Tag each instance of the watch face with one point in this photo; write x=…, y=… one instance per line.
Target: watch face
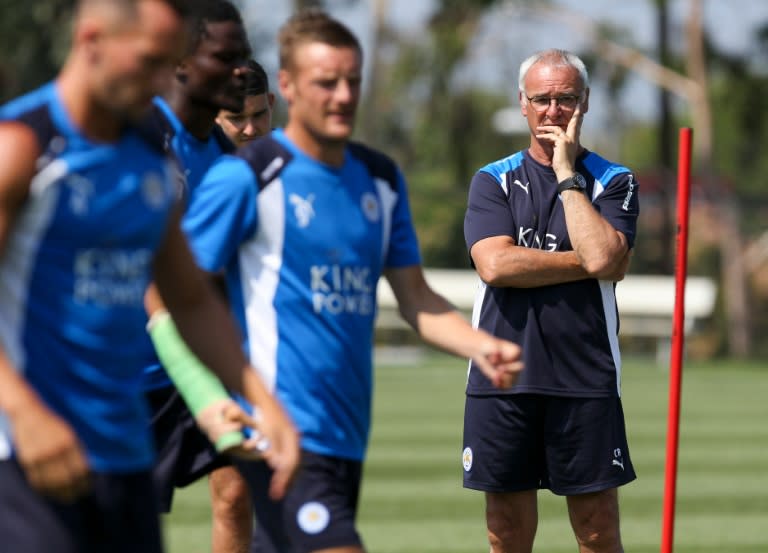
x=580, y=180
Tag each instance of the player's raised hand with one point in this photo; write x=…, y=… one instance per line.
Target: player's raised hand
x=500, y=361
x=566, y=143
x=49, y=453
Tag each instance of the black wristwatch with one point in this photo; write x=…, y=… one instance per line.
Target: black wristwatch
x=576, y=182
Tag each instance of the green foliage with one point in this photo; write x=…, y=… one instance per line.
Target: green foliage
x=33, y=39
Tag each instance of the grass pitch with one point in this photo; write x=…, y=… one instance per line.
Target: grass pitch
x=412, y=500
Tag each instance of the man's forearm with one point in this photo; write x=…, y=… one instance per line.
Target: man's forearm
x=521, y=267
x=597, y=244
x=208, y=330
x=15, y=393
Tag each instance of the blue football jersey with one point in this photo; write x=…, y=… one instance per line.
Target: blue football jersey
x=568, y=332
x=193, y=157
x=303, y=245
x=73, y=277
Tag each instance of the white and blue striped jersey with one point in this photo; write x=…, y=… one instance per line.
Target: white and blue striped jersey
x=194, y=158
x=303, y=245
x=568, y=332
x=73, y=277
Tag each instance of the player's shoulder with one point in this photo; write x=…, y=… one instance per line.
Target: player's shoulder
x=267, y=157
x=378, y=164
x=155, y=130
x=33, y=112
x=602, y=169
x=497, y=169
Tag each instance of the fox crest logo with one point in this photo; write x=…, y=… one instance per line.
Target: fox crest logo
x=313, y=517
x=302, y=208
x=467, y=458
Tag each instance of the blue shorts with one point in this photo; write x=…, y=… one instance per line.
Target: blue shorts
x=523, y=442
x=112, y=518
x=318, y=511
x=184, y=453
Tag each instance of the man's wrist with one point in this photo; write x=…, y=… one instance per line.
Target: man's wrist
x=574, y=182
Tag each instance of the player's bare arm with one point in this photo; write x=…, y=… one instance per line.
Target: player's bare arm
x=601, y=249
x=208, y=329
x=439, y=324
x=46, y=446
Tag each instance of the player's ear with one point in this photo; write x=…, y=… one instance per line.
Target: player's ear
x=585, y=101
x=286, y=85
x=523, y=103
x=181, y=72
x=87, y=35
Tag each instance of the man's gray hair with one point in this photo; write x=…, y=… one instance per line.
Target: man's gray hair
x=553, y=57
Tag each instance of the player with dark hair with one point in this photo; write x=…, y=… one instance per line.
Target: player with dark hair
x=87, y=217
x=550, y=231
x=304, y=222
x=255, y=119
x=210, y=77
x=231, y=510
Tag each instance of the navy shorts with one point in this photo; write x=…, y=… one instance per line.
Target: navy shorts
x=318, y=511
x=116, y=516
x=522, y=442
x=184, y=453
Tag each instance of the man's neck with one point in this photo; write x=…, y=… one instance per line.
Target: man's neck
x=541, y=152
x=90, y=117
x=197, y=119
x=325, y=151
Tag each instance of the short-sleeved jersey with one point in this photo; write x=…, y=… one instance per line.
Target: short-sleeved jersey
x=304, y=245
x=73, y=277
x=194, y=157
x=568, y=332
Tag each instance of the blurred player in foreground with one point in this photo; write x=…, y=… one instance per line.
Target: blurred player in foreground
x=88, y=215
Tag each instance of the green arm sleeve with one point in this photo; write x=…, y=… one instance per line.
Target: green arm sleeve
x=198, y=386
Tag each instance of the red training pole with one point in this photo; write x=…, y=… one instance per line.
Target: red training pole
x=678, y=338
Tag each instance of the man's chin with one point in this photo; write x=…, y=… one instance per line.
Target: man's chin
x=340, y=133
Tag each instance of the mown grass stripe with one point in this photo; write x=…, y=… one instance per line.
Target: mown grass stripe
x=412, y=500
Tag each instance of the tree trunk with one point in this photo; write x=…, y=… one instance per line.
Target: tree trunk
x=732, y=269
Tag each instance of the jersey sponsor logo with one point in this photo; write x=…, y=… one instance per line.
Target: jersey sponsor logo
x=302, y=209
x=630, y=193
x=521, y=185
x=528, y=238
x=370, y=205
x=313, y=517
x=111, y=277
x=340, y=289
x=466, y=458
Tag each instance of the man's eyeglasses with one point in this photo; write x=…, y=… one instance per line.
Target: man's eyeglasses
x=542, y=103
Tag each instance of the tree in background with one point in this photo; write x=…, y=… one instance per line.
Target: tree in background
x=33, y=40
x=438, y=126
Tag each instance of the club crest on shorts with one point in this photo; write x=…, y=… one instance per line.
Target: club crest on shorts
x=466, y=458
x=370, y=206
x=313, y=517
